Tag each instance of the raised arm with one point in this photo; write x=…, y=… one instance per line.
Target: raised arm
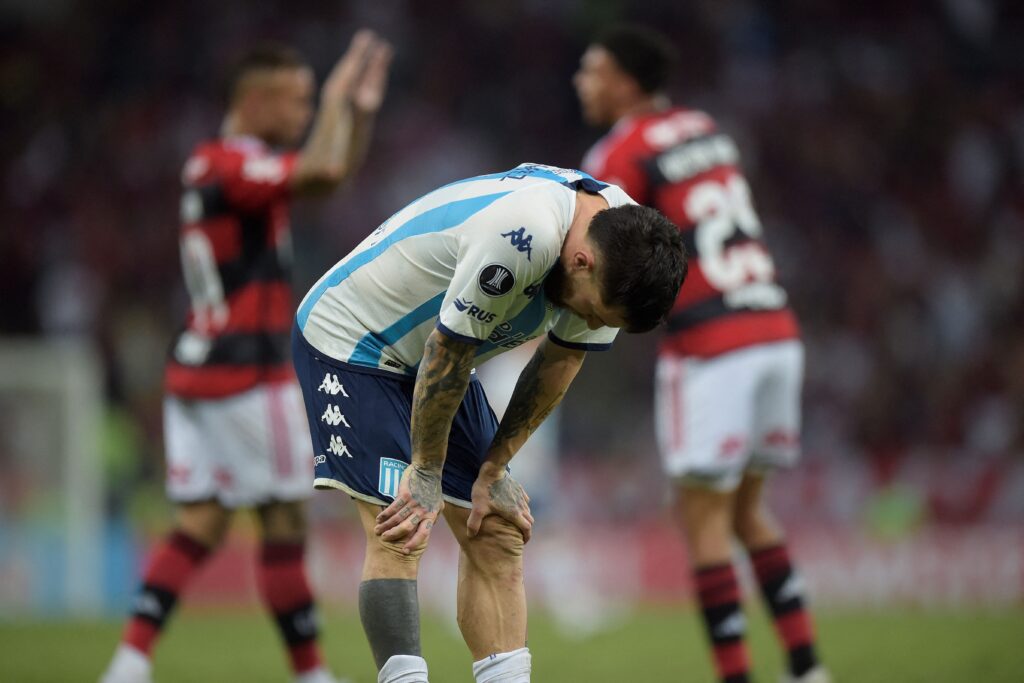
x=440, y=386
x=349, y=101
x=541, y=386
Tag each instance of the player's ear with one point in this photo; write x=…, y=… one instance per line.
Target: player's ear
x=582, y=260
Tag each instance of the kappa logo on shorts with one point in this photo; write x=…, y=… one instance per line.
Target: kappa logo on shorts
x=496, y=280
x=338, y=447
x=333, y=416
x=390, y=476
x=332, y=386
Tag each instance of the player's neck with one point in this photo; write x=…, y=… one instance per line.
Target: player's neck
x=235, y=126
x=642, y=106
x=587, y=205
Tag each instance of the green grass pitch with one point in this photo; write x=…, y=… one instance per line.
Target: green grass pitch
x=658, y=644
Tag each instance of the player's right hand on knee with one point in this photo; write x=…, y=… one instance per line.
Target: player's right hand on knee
x=414, y=510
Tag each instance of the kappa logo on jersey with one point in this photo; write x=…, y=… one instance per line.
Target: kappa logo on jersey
x=521, y=241
x=338, y=446
x=496, y=280
x=333, y=416
x=332, y=386
x=390, y=476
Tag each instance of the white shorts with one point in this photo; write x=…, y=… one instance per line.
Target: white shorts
x=719, y=417
x=244, y=450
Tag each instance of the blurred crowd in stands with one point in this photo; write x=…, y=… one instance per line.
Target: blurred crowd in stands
x=884, y=143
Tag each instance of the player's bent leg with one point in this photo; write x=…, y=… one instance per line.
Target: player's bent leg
x=285, y=590
x=199, y=529
x=705, y=515
x=389, y=604
x=492, y=597
x=781, y=587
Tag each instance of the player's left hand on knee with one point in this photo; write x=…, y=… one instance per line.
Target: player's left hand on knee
x=413, y=512
x=502, y=496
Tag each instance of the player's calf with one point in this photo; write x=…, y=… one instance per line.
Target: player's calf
x=389, y=606
x=171, y=566
x=492, y=598
x=783, y=592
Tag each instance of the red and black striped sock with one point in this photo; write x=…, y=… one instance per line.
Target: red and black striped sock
x=719, y=595
x=171, y=566
x=784, y=592
x=282, y=582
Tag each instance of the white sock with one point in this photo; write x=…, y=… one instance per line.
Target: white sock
x=504, y=667
x=403, y=669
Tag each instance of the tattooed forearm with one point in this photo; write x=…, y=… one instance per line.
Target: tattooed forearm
x=540, y=389
x=440, y=385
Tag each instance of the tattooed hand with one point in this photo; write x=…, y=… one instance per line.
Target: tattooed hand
x=499, y=494
x=414, y=510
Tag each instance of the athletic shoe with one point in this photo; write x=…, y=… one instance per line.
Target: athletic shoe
x=128, y=666
x=816, y=675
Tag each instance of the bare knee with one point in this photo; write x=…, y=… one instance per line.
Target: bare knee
x=388, y=559
x=755, y=527
x=705, y=516
x=206, y=522
x=497, y=550
x=283, y=521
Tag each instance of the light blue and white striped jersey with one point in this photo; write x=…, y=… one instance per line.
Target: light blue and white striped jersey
x=470, y=259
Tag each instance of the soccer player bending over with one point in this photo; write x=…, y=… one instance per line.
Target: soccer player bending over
x=385, y=345
x=730, y=368
x=233, y=419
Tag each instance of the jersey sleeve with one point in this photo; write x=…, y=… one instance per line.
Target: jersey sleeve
x=571, y=331
x=253, y=180
x=504, y=254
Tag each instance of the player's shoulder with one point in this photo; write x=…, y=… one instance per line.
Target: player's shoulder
x=224, y=158
x=671, y=127
x=533, y=215
x=622, y=140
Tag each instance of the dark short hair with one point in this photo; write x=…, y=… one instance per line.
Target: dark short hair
x=643, y=263
x=645, y=54
x=262, y=57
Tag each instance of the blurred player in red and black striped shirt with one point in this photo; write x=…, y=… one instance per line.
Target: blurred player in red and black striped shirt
x=730, y=367
x=234, y=423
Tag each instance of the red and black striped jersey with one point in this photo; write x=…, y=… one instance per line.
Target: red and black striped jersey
x=236, y=260
x=679, y=162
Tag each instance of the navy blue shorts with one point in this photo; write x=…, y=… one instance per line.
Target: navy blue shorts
x=359, y=420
